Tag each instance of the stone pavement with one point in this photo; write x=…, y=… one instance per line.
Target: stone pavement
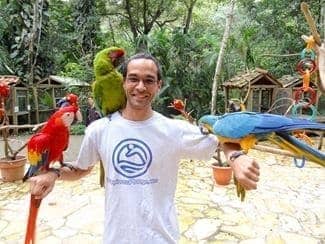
x=287, y=207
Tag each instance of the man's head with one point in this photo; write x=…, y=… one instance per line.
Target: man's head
x=142, y=81
x=142, y=56
x=90, y=101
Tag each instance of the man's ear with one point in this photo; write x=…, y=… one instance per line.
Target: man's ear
x=123, y=84
x=160, y=82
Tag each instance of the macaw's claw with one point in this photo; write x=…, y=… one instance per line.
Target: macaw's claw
x=240, y=190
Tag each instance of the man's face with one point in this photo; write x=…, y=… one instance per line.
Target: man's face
x=141, y=83
x=90, y=101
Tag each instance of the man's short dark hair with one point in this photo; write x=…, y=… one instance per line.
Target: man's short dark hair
x=141, y=56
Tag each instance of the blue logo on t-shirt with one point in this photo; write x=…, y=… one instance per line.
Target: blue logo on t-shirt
x=131, y=158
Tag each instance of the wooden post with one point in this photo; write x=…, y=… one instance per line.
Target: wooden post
x=35, y=96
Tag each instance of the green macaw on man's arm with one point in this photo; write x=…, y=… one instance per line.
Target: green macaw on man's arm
x=108, y=92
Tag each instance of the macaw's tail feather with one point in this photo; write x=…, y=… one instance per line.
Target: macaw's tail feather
x=298, y=147
x=28, y=174
x=31, y=224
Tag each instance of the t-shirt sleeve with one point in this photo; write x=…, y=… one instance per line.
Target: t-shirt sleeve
x=88, y=153
x=195, y=144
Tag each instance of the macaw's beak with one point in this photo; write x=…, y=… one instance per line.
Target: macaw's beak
x=78, y=116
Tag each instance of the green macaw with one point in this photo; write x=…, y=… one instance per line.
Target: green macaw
x=108, y=89
x=108, y=92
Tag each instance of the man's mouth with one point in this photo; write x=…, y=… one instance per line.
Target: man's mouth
x=140, y=97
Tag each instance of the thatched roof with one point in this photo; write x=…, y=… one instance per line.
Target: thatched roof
x=68, y=81
x=255, y=76
x=290, y=80
x=54, y=80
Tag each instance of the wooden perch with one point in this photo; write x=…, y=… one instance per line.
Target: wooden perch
x=34, y=127
x=274, y=150
x=280, y=55
x=312, y=26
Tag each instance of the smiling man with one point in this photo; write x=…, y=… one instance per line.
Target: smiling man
x=140, y=150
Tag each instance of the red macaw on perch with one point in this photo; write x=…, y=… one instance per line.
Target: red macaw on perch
x=4, y=94
x=45, y=148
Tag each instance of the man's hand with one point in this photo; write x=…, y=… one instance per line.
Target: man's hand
x=41, y=185
x=246, y=171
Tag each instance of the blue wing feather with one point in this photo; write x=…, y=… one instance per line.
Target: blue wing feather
x=240, y=124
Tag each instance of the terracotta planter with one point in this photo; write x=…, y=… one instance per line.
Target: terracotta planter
x=12, y=170
x=222, y=174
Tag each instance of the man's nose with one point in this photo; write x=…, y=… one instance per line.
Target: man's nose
x=141, y=86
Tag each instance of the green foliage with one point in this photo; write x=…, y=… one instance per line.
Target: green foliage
x=67, y=34
x=188, y=65
x=23, y=29
x=77, y=71
x=278, y=26
x=45, y=100
x=77, y=129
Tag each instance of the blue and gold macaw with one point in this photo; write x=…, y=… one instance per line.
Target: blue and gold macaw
x=247, y=128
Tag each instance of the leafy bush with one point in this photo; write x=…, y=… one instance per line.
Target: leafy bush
x=77, y=129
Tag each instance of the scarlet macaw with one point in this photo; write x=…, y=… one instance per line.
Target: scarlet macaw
x=69, y=100
x=4, y=94
x=45, y=148
x=108, y=92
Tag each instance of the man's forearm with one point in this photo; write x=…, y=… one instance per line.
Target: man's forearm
x=228, y=149
x=72, y=174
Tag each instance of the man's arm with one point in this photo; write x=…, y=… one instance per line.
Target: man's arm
x=245, y=168
x=42, y=185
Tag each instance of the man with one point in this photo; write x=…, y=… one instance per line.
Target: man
x=140, y=150
x=91, y=113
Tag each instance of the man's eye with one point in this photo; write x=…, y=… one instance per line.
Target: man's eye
x=149, y=81
x=133, y=80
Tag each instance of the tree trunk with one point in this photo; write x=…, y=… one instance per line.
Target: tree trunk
x=132, y=23
x=35, y=97
x=220, y=57
x=35, y=37
x=189, y=16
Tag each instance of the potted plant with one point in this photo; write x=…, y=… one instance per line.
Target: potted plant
x=222, y=172
x=12, y=165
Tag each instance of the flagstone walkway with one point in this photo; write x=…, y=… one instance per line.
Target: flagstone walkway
x=288, y=206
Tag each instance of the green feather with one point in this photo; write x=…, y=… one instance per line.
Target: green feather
x=108, y=92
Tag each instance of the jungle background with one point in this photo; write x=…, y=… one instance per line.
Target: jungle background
x=39, y=38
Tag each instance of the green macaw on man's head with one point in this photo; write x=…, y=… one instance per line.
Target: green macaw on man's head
x=108, y=92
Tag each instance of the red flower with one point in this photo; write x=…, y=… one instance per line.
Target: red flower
x=178, y=104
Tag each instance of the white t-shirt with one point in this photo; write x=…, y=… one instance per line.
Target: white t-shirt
x=141, y=160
